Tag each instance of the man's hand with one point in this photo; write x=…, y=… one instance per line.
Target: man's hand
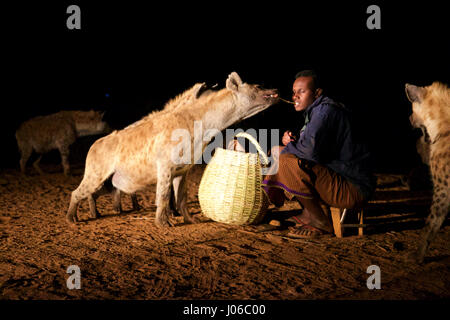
x=287, y=137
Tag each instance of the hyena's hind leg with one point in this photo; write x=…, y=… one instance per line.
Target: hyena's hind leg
x=180, y=198
x=93, y=212
x=36, y=165
x=134, y=200
x=25, y=154
x=173, y=201
x=117, y=201
x=116, y=194
x=64, y=151
x=115, y=183
x=105, y=189
x=88, y=186
x=440, y=207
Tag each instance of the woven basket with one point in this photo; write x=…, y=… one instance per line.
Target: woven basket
x=230, y=189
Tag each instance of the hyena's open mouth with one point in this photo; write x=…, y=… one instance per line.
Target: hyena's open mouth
x=273, y=95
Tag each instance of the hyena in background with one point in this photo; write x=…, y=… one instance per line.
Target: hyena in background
x=57, y=131
x=431, y=109
x=142, y=153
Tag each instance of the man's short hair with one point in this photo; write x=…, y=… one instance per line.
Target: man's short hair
x=312, y=74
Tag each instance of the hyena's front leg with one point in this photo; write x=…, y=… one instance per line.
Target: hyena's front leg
x=163, y=184
x=89, y=185
x=93, y=207
x=117, y=203
x=173, y=201
x=64, y=151
x=439, y=210
x=71, y=215
x=180, y=191
x=36, y=165
x=134, y=200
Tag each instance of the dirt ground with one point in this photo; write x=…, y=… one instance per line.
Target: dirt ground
x=127, y=257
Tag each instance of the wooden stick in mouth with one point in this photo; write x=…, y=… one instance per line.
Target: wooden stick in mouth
x=286, y=100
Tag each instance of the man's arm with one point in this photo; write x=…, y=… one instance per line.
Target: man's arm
x=314, y=142
x=287, y=137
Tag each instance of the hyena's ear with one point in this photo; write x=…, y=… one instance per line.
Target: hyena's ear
x=199, y=88
x=414, y=93
x=233, y=82
x=102, y=114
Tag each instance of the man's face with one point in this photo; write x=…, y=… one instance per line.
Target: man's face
x=304, y=93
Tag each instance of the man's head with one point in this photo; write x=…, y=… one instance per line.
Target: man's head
x=306, y=89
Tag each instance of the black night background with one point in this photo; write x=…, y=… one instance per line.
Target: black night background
x=129, y=58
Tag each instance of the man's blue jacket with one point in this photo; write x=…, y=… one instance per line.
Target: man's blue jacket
x=327, y=138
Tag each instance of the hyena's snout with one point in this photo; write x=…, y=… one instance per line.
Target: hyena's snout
x=103, y=127
x=415, y=121
x=100, y=127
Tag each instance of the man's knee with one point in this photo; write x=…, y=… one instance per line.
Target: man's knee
x=274, y=152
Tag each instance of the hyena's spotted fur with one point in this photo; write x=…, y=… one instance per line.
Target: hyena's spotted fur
x=142, y=153
x=56, y=131
x=431, y=110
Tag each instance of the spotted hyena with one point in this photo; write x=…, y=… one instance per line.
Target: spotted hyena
x=56, y=131
x=142, y=153
x=431, y=110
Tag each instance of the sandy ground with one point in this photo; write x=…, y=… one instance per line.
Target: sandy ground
x=127, y=257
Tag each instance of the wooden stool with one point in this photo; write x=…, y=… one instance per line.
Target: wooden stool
x=338, y=215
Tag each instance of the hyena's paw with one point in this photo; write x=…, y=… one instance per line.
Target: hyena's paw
x=118, y=208
x=136, y=206
x=94, y=214
x=135, y=201
x=71, y=218
x=174, y=213
x=163, y=222
x=190, y=219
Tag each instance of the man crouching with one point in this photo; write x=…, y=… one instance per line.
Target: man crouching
x=322, y=165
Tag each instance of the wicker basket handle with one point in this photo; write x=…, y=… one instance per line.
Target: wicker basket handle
x=256, y=144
